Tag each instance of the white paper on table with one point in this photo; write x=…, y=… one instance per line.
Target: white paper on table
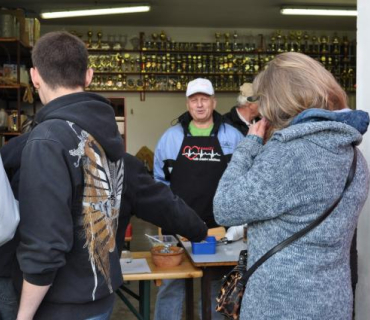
x=136, y=266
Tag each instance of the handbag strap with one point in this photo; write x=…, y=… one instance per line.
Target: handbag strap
x=301, y=233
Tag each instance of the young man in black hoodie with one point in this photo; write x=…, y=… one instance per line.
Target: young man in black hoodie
x=72, y=179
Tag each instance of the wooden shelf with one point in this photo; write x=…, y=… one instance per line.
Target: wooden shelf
x=14, y=86
x=11, y=46
x=10, y=133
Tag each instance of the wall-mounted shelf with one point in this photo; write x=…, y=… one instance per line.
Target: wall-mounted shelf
x=160, y=66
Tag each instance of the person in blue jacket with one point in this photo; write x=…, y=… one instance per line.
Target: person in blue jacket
x=191, y=157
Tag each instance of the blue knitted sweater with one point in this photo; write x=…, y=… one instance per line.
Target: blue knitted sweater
x=279, y=188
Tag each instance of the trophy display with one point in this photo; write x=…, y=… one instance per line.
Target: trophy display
x=158, y=63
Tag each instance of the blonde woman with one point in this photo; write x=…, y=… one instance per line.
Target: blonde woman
x=280, y=187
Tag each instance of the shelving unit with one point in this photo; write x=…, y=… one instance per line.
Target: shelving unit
x=163, y=66
x=13, y=52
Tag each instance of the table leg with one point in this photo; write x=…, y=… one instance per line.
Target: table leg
x=189, y=299
x=206, y=294
x=144, y=302
x=210, y=274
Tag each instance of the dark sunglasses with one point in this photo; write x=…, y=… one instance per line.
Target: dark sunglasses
x=253, y=98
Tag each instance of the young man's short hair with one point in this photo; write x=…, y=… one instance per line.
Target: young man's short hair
x=61, y=59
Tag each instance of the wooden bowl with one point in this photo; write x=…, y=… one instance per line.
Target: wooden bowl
x=167, y=260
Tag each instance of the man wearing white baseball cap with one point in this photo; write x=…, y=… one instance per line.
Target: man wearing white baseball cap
x=191, y=157
x=245, y=112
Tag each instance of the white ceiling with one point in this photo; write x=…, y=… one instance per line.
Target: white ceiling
x=197, y=13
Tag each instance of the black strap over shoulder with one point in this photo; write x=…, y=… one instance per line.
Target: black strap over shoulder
x=301, y=233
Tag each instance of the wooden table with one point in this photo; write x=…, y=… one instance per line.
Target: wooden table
x=214, y=267
x=185, y=270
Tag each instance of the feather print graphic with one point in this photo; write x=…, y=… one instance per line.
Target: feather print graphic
x=101, y=203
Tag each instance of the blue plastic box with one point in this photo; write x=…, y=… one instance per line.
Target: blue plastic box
x=208, y=247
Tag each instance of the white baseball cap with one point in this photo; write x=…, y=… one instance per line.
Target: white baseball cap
x=200, y=85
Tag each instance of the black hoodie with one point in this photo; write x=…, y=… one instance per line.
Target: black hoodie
x=233, y=119
x=54, y=248
x=50, y=252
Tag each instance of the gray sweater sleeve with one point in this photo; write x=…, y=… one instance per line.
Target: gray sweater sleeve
x=254, y=186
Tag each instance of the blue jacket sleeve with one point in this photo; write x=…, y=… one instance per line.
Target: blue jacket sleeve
x=167, y=148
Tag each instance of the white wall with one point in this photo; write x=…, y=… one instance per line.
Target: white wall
x=363, y=81
x=147, y=120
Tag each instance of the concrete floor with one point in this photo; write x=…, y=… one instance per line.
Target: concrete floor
x=141, y=243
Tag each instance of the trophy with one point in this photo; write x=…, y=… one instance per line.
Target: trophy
x=126, y=60
x=324, y=42
x=351, y=80
x=279, y=38
x=118, y=64
x=139, y=84
x=135, y=42
x=89, y=39
x=111, y=41
x=306, y=38
x=131, y=84
x=199, y=64
x=299, y=41
x=147, y=45
x=204, y=64
x=109, y=83
x=272, y=45
x=99, y=35
x=155, y=44
x=163, y=44
x=183, y=63
x=336, y=44
x=119, y=82
x=235, y=44
x=292, y=41
x=211, y=66
x=122, y=41
x=314, y=44
x=345, y=49
x=227, y=43
x=217, y=36
x=154, y=62
x=152, y=82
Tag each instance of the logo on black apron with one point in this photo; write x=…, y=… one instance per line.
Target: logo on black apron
x=195, y=153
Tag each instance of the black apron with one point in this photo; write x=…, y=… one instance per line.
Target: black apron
x=196, y=172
